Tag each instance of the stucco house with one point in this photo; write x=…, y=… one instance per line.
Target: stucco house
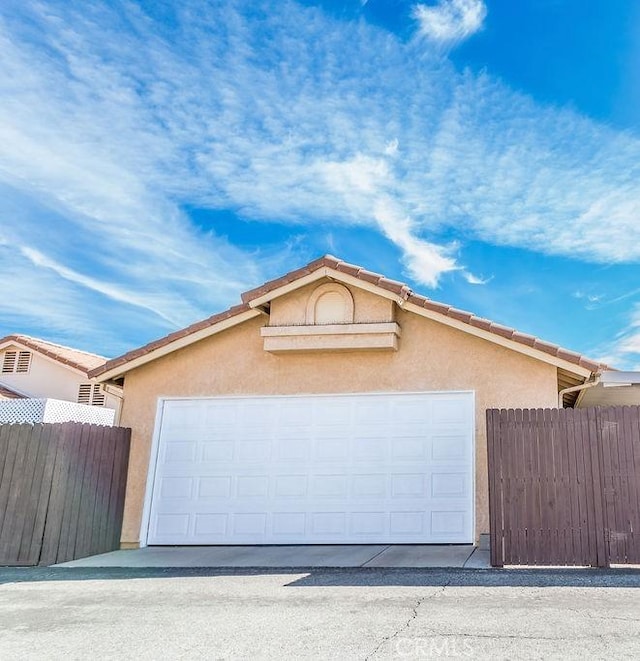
x=31, y=368
x=331, y=406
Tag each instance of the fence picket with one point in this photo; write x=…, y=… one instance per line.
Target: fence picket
x=564, y=486
x=48, y=489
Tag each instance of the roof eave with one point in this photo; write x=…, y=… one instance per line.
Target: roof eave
x=349, y=274
x=120, y=366
x=22, y=342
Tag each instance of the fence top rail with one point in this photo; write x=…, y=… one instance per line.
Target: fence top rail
x=625, y=407
x=58, y=425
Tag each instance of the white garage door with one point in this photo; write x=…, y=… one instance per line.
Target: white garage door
x=387, y=468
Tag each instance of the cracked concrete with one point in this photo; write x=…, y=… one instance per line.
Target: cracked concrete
x=318, y=614
x=407, y=624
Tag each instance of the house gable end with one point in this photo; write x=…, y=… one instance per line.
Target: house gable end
x=272, y=299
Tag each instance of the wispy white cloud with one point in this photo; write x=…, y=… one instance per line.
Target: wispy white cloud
x=624, y=351
x=113, y=292
x=476, y=280
x=425, y=261
x=449, y=21
x=591, y=301
x=111, y=123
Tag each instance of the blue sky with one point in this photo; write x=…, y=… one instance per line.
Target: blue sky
x=159, y=157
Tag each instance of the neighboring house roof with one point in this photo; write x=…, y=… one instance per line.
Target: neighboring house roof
x=9, y=393
x=329, y=266
x=79, y=360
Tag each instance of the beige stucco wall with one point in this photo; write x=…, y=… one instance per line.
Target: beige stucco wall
x=367, y=307
x=432, y=357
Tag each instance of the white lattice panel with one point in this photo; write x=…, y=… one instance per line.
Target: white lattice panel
x=53, y=410
x=21, y=410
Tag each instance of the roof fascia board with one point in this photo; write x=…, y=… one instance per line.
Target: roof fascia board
x=289, y=287
x=345, y=278
x=324, y=272
x=177, y=344
x=501, y=341
x=51, y=359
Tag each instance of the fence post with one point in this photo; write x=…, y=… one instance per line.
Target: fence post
x=594, y=439
x=496, y=523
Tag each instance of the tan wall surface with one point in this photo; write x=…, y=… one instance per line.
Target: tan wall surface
x=367, y=307
x=432, y=357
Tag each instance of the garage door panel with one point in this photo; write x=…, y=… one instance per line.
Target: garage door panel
x=448, y=523
x=211, y=525
x=326, y=469
x=216, y=451
x=331, y=449
x=450, y=485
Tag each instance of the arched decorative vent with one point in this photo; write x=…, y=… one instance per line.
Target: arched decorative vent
x=330, y=303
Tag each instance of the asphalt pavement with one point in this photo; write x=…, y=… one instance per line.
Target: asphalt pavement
x=319, y=613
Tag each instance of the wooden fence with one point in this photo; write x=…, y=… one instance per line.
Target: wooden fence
x=564, y=486
x=61, y=491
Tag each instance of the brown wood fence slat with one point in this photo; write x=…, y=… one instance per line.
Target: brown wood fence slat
x=632, y=458
x=42, y=506
x=88, y=495
x=19, y=477
x=116, y=505
x=7, y=473
x=494, y=456
x=22, y=483
x=105, y=474
x=29, y=552
x=61, y=491
x=564, y=486
x=55, y=508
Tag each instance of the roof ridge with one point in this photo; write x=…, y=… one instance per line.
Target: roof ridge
x=401, y=289
x=53, y=344
x=83, y=361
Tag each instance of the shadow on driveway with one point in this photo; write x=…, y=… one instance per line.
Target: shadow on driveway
x=352, y=577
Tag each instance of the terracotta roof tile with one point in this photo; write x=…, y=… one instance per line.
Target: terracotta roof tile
x=394, y=286
x=80, y=360
x=369, y=276
x=172, y=337
x=565, y=354
x=548, y=347
x=350, y=269
x=460, y=315
x=436, y=307
x=355, y=271
x=503, y=331
x=523, y=338
x=479, y=322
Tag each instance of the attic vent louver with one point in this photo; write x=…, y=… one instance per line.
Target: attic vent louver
x=24, y=362
x=98, y=397
x=9, y=362
x=16, y=361
x=91, y=394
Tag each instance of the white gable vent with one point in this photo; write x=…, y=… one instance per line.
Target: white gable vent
x=24, y=361
x=91, y=393
x=16, y=361
x=9, y=362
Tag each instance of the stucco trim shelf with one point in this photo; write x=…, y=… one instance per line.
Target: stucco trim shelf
x=332, y=337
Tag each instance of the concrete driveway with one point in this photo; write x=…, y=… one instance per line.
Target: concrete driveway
x=124, y=613
x=361, y=555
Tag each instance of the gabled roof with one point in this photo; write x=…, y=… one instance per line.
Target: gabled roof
x=329, y=266
x=79, y=360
